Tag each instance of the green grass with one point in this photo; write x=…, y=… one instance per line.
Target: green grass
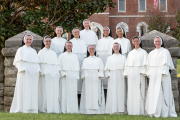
x=44, y=116
x=178, y=67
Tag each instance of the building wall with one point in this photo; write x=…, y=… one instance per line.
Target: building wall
x=132, y=17
x=102, y=19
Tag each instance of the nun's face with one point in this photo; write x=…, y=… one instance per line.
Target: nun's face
x=28, y=40
x=136, y=42
x=59, y=32
x=86, y=24
x=76, y=33
x=91, y=50
x=106, y=32
x=69, y=47
x=119, y=33
x=157, y=42
x=116, y=48
x=47, y=42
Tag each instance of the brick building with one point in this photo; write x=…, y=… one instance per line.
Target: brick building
x=130, y=14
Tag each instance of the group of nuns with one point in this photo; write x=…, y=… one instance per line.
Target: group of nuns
x=50, y=81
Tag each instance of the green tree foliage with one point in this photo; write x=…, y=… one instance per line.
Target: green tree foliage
x=157, y=21
x=42, y=16
x=176, y=28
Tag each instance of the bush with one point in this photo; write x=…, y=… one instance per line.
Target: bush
x=176, y=28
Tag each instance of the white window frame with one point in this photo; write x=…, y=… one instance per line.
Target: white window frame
x=138, y=27
x=124, y=26
x=139, y=6
x=125, y=6
x=160, y=6
x=65, y=35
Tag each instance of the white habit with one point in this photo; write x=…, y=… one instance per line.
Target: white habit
x=135, y=69
x=89, y=37
x=125, y=49
x=48, y=82
x=79, y=48
x=57, y=45
x=92, y=96
x=125, y=45
x=160, y=100
x=69, y=68
x=26, y=91
x=114, y=70
x=103, y=51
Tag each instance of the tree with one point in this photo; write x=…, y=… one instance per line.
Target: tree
x=176, y=28
x=157, y=21
x=42, y=16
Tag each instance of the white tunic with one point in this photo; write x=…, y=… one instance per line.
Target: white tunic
x=57, y=45
x=125, y=45
x=79, y=48
x=92, y=96
x=89, y=37
x=125, y=49
x=48, y=82
x=69, y=68
x=103, y=51
x=26, y=91
x=135, y=69
x=160, y=100
x=114, y=70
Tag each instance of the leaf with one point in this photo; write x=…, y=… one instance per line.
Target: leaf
x=70, y=14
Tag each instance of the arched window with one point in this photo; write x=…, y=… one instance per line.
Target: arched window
x=124, y=26
x=142, y=28
x=99, y=29
x=65, y=36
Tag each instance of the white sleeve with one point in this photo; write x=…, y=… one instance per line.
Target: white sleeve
x=165, y=70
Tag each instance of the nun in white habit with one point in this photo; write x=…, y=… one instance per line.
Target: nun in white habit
x=135, y=70
x=104, y=48
x=92, y=96
x=160, y=100
x=114, y=70
x=80, y=49
x=26, y=60
x=125, y=43
x=88, y=35
x=69, y=69
x=57, y=43
x=125, y=49
x=49, y=79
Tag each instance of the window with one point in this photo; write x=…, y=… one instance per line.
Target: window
x=163, y=5
x=142, y=5
x=122, y=5
x=142, y=28
x=142, y=31
x=65, y=36
x=124, y=28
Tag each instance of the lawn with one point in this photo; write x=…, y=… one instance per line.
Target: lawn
x=43, y=116
x=178, y=67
